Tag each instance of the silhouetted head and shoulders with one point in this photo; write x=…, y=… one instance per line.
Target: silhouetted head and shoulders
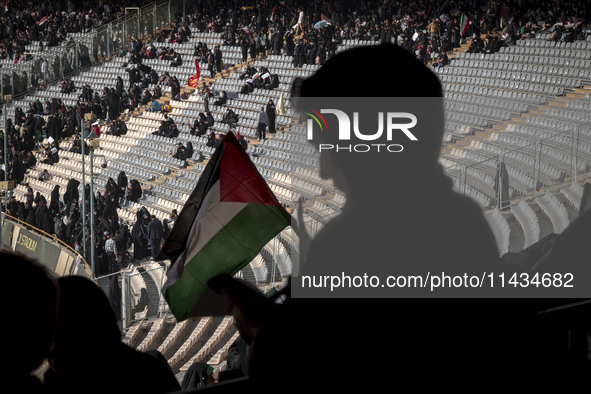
x=88, y=354
x=401, y=212
x=33, y=292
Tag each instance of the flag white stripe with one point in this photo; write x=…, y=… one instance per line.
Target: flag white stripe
x=210, y=219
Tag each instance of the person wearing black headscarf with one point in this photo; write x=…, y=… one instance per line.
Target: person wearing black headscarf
x=139, y=234
x=271, y=115
x=54, y=199
x=44, y=222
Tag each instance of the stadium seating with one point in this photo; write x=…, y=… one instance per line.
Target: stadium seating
x=511, y=107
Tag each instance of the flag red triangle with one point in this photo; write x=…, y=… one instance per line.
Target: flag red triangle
x=240, y=181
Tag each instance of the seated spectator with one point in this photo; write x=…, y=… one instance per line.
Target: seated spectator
x=46, y=157
x=167, y=128
x=77, y=148
x=211, y=139
x=248, y=86
x=43, y=175
x=67, y=86
x=200, y=126
x=205, y=90
x=30, y=160
x=242, y=141
x=193, y=129
x=113, y=129
x=167, y=107
x=155, y=106
x=477, y=45
x=222, y=100
x=274, y=82
x=121, y=126
x=442, y=60
x=165, y=79
x=212, y=91
x=181, y=152
x=176, y=61
x=250, y=71
x=146, y=97
x=173, y=131
x=95, y=131
x=135, y=191
x=230, y=117
x=54, y=154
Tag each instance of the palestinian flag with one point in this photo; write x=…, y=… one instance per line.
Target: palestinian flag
x=227, y=220
x=464, y=24
x=194, y=80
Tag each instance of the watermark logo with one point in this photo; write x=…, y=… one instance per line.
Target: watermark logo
x=316, y=117
x=388, y=122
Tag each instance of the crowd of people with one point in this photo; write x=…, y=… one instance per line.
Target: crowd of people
x=61, y=216
x=311, y=31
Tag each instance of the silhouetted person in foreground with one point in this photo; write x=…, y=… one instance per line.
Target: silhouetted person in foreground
x=401, y=214
x=401, y=218
x=88, y=354
x=33, y=294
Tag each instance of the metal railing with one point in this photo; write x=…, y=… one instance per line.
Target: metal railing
x=84, y=50
x=496, y=174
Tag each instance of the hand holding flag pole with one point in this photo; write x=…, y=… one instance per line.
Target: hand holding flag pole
x=299, y=227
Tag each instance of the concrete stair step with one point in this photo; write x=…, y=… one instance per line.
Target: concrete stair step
x=552, y=105
x=480, y=134
x=583, y=90
x=537, y=112
x=466, y=141
x=498, y=127
x=564, y=98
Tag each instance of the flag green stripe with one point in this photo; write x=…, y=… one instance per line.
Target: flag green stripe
x=237, y=243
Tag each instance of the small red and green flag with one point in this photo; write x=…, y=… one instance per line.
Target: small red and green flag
x=229, y=217
x=464, y=24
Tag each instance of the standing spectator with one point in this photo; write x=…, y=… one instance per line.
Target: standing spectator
x=111, y=249
x=29, y=196
x=263, y=121
x=121, y=244
x=122, y=183
x=218, y=59
x=175, y=88
x=155, y=234
x=271, y=115
x=244, y=42
x=211, y=63
x=434, y=29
